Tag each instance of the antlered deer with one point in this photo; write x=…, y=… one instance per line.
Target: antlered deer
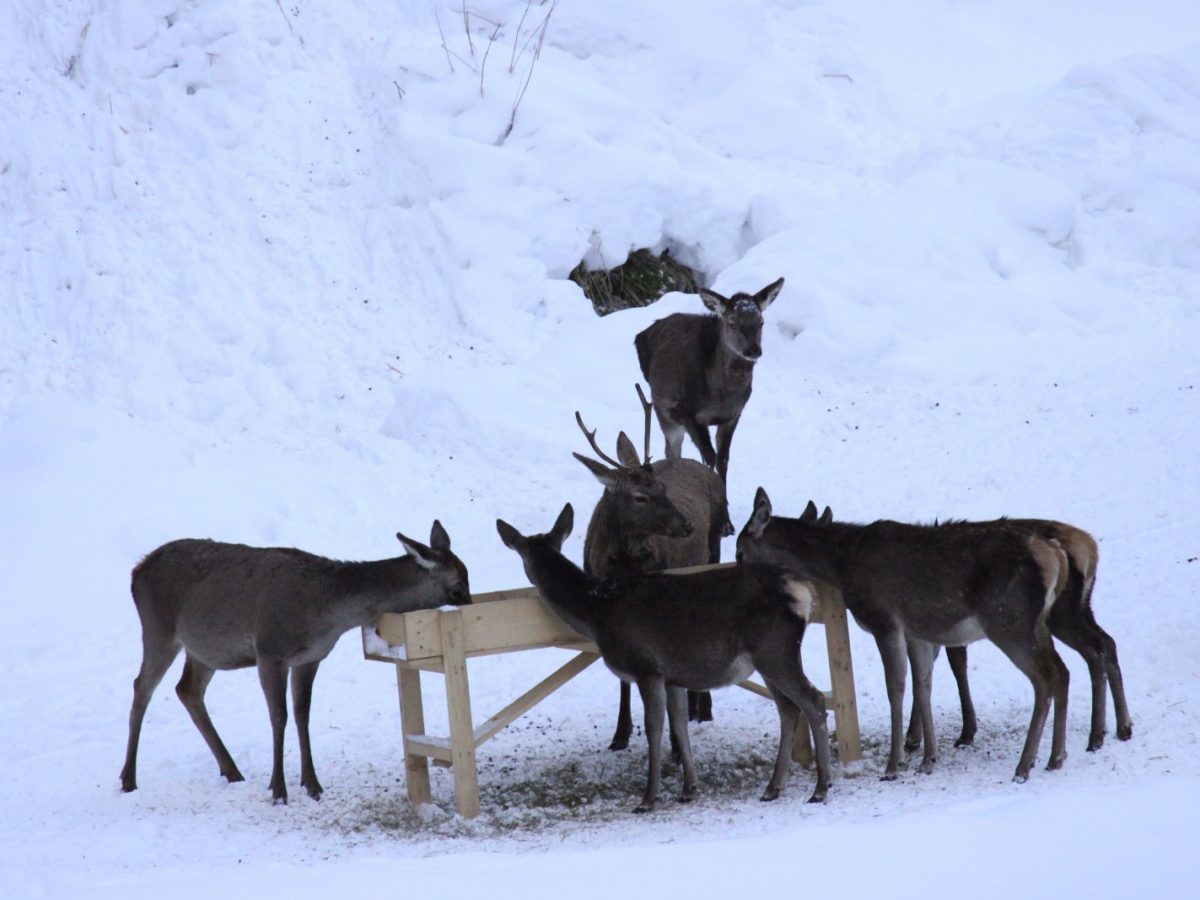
x=702, y=631
x=917, y=587
x=652, y=516
x=229, y=606
x=1072, y=621
x=700, y=370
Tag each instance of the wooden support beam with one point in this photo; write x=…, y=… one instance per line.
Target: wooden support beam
x=412, y=722
x=458, y=705
x=533, y=696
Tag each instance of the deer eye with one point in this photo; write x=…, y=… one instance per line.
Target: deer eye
x=640, y=498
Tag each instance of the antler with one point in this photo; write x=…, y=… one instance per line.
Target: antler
x=591, y=436
x=646, y=407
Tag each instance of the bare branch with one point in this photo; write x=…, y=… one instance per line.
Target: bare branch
x=437, y=16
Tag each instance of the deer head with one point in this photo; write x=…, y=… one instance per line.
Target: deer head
x=742, y=318
x=637, y=498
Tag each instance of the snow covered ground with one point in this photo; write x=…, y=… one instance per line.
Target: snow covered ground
x=279, y=273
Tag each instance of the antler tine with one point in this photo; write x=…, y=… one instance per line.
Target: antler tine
x=591, y=436
x=646, y=407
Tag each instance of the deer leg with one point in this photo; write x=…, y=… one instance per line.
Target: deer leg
x=1031, y=661
x=957, y=657
x=302, y=683
x=699, y=706
x=620, y=739
x=1117, y=683
x=672, y=435
x=912, y=735
x=784, y=674
x=272, y=674
x=157, y=656
x=654, y=701
x=789, y=720
x=724, y=441
x=920, y=656
x=677, y=716
x=893, y=650
x=700, y=437
x=190, y=690
x=1090, y=645
x=1060, y=682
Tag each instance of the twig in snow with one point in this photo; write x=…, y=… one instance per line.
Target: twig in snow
x=442, y=34
x=537, y=52
x=279, y=3
x=483, y=65
x=467, y=28
x=512, y=60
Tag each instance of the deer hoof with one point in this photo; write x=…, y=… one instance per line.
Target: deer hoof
x=771, y=793
x=315, y=793
x=912, y=746
x=1056, y=763
x=279, y=801
x=889, y=776
x=619, y=744
x=1124, y=732
x=644, y=807
x=1021, y=777
x=233, y=777
x=965, y=741
x=817, y=797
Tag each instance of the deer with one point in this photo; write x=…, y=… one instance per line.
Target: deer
x=1073, y=622
x=652, y=516
x=230, y=606
x=702, y=630
x=917, y=587
x=700, y=369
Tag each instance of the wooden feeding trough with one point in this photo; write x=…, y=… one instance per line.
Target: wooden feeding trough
x=442, y=640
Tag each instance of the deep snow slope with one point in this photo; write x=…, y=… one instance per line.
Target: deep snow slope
x=282, y=273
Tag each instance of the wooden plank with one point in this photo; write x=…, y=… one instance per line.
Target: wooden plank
x=430, y=747
x=498, y=626
x=412, y=722
x=458, y=704
x=533, y=696
x=841, y=675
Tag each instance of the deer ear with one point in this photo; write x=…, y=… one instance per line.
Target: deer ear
x=714, y=301
x=761, y=515
x=767, y=295
x=419, y=552
x=826, y=517
x=510, y=536
x=810, y=513
x=604, y=475
x=626, y=452
x=563, y=525
x=438, y=539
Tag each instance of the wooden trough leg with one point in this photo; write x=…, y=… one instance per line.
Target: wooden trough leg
x=458, y=700
x=802, y=750
x=841, y=674
x=412, y=721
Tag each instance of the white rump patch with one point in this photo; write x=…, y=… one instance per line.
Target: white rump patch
x=801, y=593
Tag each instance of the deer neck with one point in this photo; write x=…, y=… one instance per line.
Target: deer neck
x=565, y=588
x=385, y=585
x=729, y=371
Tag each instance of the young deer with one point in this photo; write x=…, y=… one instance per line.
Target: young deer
x=1072, y=621
x=917, y=587
x=702, y=631
x=664, y=515
x=700, y=370
x=229, y=606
